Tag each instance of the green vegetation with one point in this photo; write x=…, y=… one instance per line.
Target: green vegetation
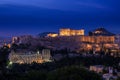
x=4, y=52
x=73, y=73
x=65, y=69
x=64, y=73
x=69, y=68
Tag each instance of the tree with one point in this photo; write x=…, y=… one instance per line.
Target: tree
x=14, y=47
x=73, y=73
x=91, y=51
x=4, y=53
x=118, y=78
x=35, y=75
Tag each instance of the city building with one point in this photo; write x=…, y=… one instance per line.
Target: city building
x=97, y=68
x=70, y=32
x=15, y=39
x=22, y=39
x=109, y=77
x=8, y=45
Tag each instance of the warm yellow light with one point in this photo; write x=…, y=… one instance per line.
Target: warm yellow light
x=52, y=35
x=70, y=32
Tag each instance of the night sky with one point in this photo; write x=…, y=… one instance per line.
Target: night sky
x=19, y=17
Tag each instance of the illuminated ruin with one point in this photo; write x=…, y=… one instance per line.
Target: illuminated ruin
x=70, y=32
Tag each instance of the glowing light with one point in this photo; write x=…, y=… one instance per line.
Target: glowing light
x=70, y=32
x=10, y=63
x=52, y=35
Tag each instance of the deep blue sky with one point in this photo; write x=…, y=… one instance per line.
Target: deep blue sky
x=35, y=16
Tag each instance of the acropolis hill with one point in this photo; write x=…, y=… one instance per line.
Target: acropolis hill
x=74, y=40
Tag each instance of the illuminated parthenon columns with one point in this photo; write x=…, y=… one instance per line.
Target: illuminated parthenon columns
x=70, y=32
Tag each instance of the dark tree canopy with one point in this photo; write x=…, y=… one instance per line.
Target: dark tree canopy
x=4, y=53
x=73, y=73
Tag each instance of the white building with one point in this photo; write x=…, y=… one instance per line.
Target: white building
x=109, y=77
x=30, y=57
x=22, y=39
x=97, y=68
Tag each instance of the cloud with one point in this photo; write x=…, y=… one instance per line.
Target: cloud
x=93, y=5
x=48, y=14
x=57, y=4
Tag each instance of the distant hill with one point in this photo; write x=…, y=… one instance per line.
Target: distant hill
x=100, y=32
